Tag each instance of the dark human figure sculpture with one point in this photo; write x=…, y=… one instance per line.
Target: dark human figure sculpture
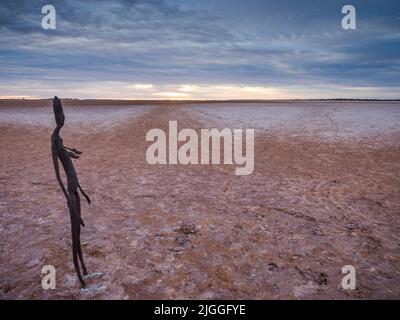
x=64, y=154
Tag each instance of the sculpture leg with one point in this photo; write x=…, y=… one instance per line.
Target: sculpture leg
x=85, y=273
x=75, y=229
x=78, y=201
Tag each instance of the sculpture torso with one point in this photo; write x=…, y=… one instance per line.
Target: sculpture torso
x=66, y=161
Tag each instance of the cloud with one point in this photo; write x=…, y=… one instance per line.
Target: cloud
x=141, y=86
x=145, y=45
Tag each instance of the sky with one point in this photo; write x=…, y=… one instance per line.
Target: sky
x=203, y=49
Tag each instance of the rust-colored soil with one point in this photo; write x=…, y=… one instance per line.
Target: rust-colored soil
x=174, y=231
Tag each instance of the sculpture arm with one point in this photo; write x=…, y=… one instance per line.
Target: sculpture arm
x=73, y=150
x=73, y=154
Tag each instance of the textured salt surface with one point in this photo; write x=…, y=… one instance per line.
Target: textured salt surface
x=200, y=232
x=330, y=120
x=99, y=116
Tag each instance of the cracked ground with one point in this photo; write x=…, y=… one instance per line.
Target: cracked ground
x=313, y=204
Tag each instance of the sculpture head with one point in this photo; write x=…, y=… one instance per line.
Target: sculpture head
x=58, y=112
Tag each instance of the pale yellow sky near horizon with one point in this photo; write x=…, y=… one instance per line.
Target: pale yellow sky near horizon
x=149, y=91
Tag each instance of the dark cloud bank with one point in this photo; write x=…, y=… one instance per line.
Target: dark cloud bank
x=110, y=48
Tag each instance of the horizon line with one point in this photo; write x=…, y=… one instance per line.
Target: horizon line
x=202, y=100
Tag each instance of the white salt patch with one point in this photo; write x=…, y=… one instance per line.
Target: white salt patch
x=329, y=120
x=92, y=275
x=93, y=289
x=98, y=116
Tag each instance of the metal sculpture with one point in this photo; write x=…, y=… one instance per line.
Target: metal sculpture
x=64, y=154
